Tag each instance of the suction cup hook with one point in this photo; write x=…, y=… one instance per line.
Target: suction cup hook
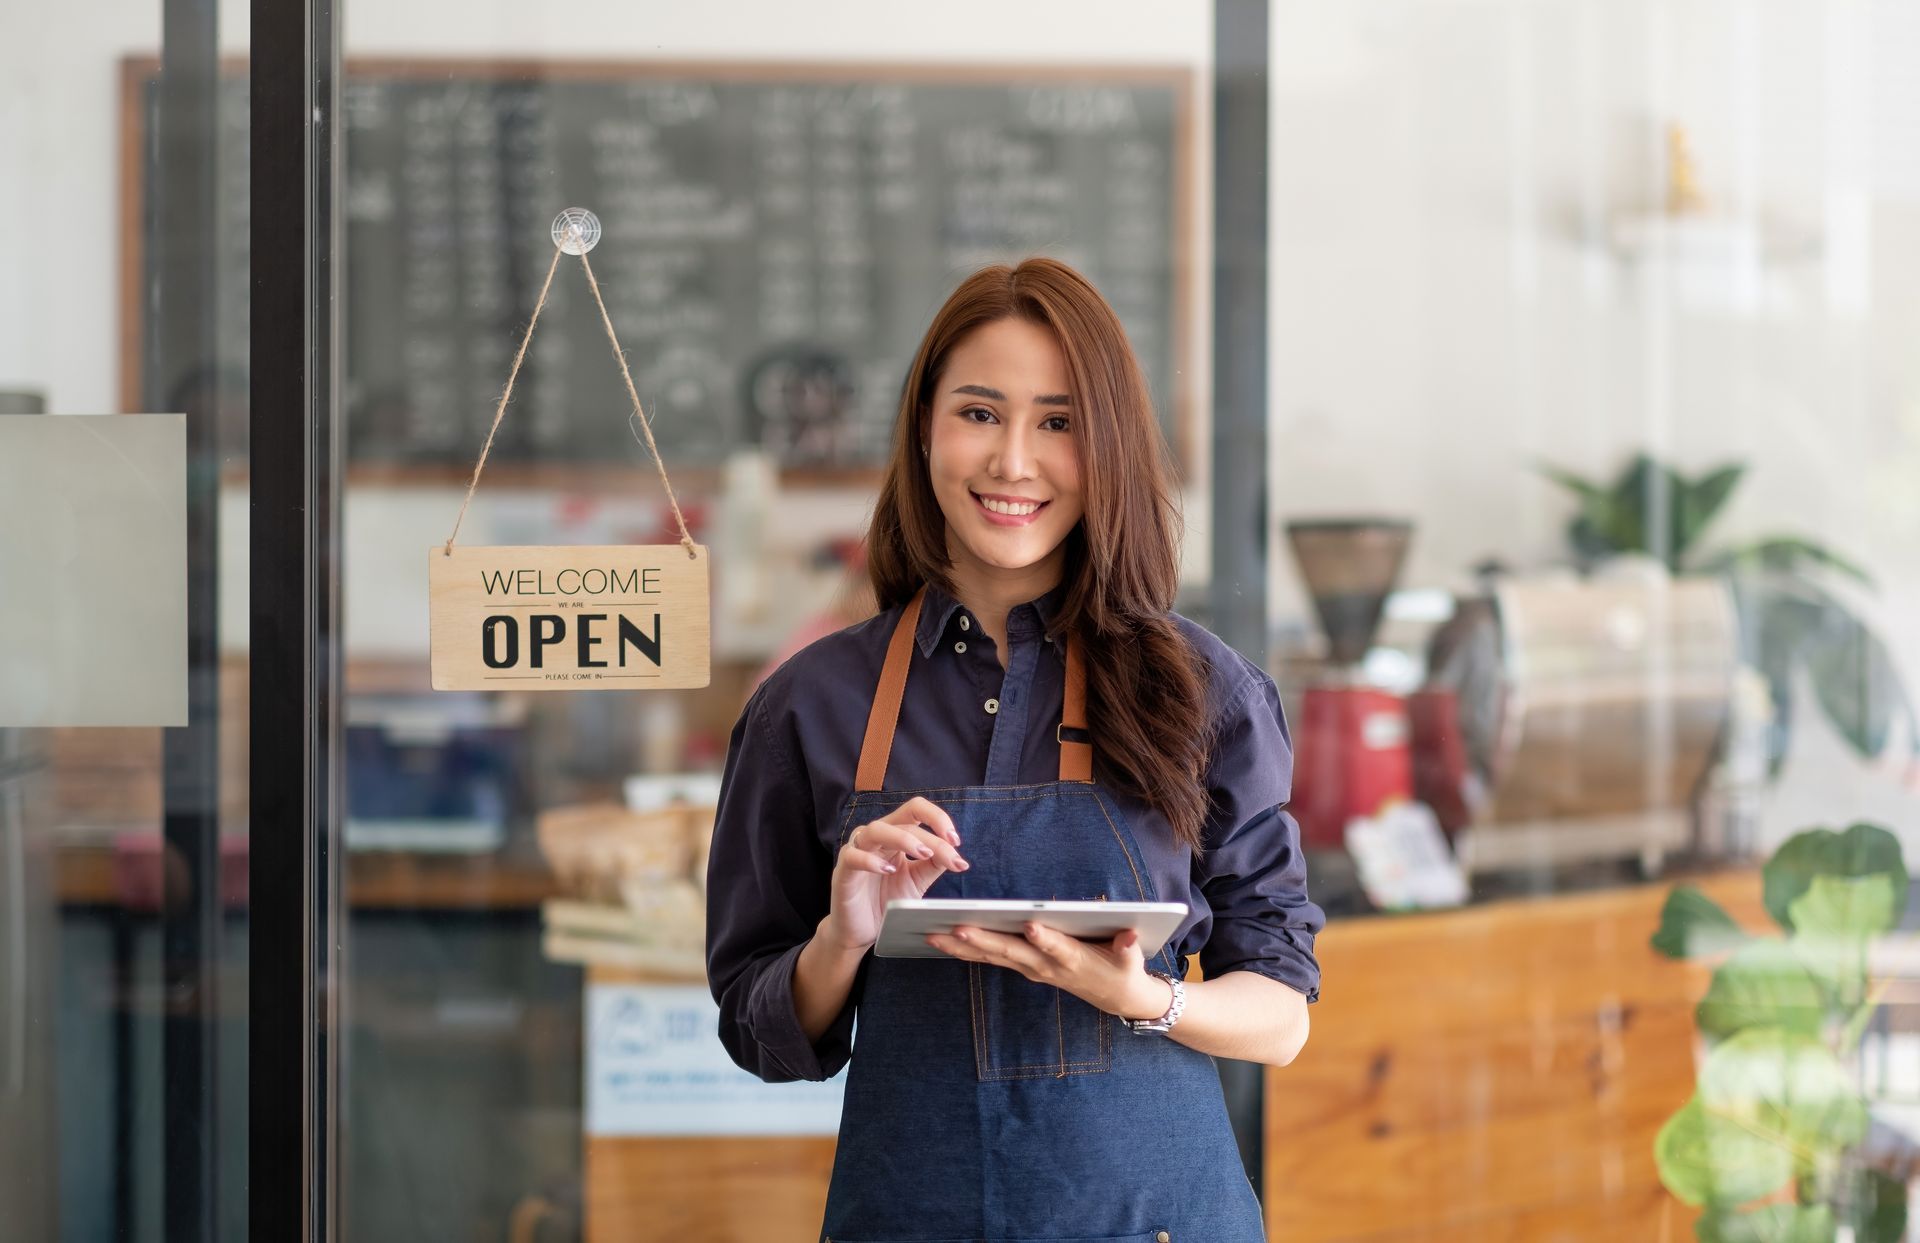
x=576, y=230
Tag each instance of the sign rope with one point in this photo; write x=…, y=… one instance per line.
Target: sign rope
x=571, y=237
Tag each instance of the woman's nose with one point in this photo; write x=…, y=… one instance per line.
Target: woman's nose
x=1012, y=458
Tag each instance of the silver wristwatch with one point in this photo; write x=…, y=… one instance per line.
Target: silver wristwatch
x=1172, y=1016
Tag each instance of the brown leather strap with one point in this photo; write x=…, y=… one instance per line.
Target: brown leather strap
x=884, y=716
x=1076, y=758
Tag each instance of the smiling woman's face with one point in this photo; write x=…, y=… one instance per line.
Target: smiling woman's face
x=1002, y=457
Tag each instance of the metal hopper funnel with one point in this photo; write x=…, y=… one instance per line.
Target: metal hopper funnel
x=1350, y=566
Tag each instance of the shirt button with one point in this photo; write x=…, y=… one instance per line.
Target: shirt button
x=964, y=623
x=960, y=647
x=1162, y=1237
x=993, y=706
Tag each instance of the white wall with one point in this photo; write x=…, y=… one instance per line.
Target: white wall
x=1446, y=314
x=59, y=195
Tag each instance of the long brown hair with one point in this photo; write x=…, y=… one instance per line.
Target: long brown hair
x=1146, y=685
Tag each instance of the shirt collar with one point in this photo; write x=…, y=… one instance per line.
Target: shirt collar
x=937, y=610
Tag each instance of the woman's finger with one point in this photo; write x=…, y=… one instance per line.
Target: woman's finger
x=971, y=949
x=1062, y=950
x=1010, y=951
x=908, y=842
x=858, y=860
x=925, y=811
x=951, y=945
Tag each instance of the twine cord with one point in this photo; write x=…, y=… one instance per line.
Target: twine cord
x=626, y=373
x=500, y=410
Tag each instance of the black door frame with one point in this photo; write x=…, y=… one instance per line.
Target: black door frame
x=294, y=614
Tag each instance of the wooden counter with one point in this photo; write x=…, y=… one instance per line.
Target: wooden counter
x=1494, y=1073
x=1490, y=1075
x=375, y=880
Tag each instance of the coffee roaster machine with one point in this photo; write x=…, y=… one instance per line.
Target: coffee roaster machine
x=1563, y=719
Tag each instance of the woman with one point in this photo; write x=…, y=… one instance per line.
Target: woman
x=1025, y=718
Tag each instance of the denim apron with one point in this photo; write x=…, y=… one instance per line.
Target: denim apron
x=984, y=1108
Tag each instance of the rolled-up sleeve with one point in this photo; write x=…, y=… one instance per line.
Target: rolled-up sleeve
x=1251, y=869
x=769, y=884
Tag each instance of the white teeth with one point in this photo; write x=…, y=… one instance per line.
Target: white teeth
x=1005, y=507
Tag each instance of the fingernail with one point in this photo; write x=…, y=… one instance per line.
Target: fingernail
x=954, y=838
x=961, y=935
x=924, y=852
x=964, y=865
x=890, y=868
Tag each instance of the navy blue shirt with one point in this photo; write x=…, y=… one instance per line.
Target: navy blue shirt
x=965, y=721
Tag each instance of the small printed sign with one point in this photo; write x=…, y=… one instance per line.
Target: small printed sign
x=655, y=1066
x=1404, y=860
x=615, y=617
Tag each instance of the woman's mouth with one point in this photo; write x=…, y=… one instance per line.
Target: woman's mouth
x=1007, y=514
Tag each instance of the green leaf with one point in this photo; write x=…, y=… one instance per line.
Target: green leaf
x=1692, y=925
x=1646, y=490
x=1705, y=1160
x=1854, y=679
x=1786, y=1088
x=1585, y=489
x=1786, y=554
x=1832, y=923
x=1862, y=850
x=1772, y=1223
x=1774, y=623
x=1765, y=986
x=1870, y=1200
x=1590, y=542
x=1850, y=908
x=1879, y=1208
x=1604, y=525
x=1697, y=503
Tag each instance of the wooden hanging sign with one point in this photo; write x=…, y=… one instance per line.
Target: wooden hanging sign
x=569, y=618
x=619, y=617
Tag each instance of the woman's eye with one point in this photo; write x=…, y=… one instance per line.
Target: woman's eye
x=1058, y=422
x=970, y=411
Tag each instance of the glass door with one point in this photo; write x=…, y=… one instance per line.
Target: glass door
x=529, y=1046
x=125, y=683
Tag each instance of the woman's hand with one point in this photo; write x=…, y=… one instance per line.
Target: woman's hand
x=1110, y=977
x=899, y=855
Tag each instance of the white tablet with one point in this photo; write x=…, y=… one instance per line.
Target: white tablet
x=903, y=933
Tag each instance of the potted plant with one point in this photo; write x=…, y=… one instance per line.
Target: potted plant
x=1790, y=618
x=1770, y=1146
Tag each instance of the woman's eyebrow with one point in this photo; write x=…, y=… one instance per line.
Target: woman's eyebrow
x=994, y=394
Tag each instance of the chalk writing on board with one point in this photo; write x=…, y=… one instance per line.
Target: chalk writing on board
x=776, y=241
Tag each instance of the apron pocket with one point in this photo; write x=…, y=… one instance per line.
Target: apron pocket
x=1024, y=1030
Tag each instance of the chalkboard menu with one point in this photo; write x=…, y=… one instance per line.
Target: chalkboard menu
x=776, y=240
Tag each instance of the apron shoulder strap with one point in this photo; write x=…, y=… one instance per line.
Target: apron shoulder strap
x=876, y=749
x=884, y=716
x=1076, y=755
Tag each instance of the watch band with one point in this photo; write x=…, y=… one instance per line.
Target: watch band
x=1166, y=1021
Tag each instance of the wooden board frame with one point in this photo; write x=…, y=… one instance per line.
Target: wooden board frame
x=1190, y=381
